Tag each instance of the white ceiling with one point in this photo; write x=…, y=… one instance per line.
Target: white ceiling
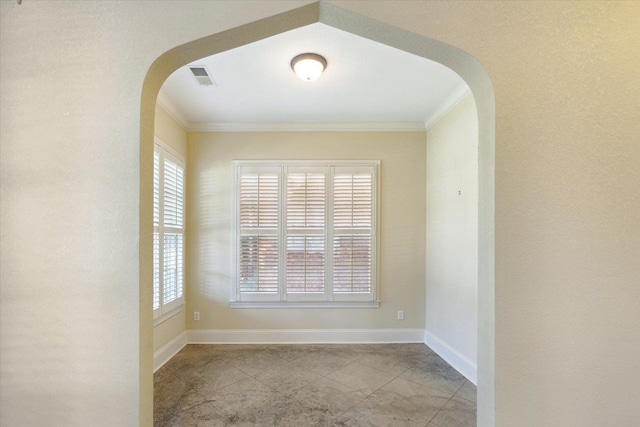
x=365, y=81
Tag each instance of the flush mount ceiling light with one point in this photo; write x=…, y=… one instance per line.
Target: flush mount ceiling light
x=308, y=66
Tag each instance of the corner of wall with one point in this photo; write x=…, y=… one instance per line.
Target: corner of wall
x=460, y=363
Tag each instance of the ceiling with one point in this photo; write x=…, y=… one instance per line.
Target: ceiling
x=364, y=82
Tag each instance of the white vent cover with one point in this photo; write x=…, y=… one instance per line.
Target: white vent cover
x=201, y=75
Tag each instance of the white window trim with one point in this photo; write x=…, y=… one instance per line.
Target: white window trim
x=165, y=312
x=372, y=300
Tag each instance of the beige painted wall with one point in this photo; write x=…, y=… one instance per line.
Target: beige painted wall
x=452, y=232
x=169, y=131
x=567, y=232
x=210, y=231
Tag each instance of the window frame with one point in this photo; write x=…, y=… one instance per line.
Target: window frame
x=173, y=307
x=282, y=298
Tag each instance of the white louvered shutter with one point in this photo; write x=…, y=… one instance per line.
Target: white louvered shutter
x=305, y=233
x=353, y=238
x=259, y=242
x=173, y=228
x=173, y=192
x=156, y=231
x=168, y=232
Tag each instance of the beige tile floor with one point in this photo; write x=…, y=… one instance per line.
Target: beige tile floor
x=312, y=385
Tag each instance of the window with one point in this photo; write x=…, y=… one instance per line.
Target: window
x=306, y=233
x=168, y=232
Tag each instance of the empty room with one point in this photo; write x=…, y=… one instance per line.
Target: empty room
x=296, y=180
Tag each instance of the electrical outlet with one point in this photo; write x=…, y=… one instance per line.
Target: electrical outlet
x=400, y=315
x=196, y=315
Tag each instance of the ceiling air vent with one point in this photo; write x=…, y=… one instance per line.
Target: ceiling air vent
x=201, y=75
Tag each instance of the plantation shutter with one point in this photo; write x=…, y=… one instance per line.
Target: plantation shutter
x=173, y=192
x=173, y=227
x=259, y=241
x=353, y=239
x=156, y=231
x=168, y=231
x=305, y=233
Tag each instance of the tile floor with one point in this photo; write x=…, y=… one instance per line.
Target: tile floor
x=312, y=385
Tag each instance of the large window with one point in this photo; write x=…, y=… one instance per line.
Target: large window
x=306, y=233
x=168, y=232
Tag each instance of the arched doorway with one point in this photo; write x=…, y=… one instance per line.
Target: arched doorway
x=460, y=62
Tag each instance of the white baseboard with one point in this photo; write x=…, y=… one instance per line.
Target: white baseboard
x=169, y=350
x=301, y=336
x=461, y=363
x=282, y=336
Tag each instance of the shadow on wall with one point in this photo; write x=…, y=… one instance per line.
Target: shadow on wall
x=213, y=232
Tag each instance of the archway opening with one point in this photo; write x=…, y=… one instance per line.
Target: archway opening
x=458, y=61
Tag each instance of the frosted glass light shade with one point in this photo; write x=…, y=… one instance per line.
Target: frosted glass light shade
x=308, y=66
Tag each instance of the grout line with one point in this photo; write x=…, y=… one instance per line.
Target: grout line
x=368, y=395
x=448, y=400
x=464, y=398
x=296, y=357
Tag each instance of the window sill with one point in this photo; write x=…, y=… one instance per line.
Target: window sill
x=168, y=315
x=297, y=304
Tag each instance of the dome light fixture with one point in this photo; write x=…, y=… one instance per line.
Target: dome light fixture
x=308, y=66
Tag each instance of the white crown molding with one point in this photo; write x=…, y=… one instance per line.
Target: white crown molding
x=447, y=105
x=281, y=336
x=168, y=106
x=460, y=362
x=307, y=127
x=164, y=354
